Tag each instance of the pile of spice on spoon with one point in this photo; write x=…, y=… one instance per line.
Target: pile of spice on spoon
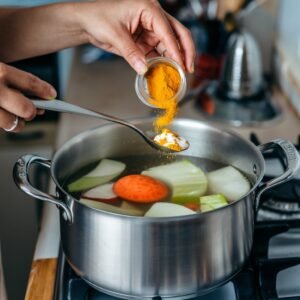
x=171, y=140
x=163, y=83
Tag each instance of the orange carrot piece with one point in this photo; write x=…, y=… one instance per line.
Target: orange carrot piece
x=141, y=188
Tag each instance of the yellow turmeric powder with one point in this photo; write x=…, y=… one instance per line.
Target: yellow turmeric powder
x=163, y=84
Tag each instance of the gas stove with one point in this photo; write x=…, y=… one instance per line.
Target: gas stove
x=273, y=270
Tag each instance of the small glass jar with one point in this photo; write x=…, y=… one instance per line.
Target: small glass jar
x=141, y=86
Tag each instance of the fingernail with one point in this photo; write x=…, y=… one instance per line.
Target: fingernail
x=53, y=93
x=141, y=67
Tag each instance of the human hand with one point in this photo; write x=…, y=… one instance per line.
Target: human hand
x=15, y=107
x=136, y=29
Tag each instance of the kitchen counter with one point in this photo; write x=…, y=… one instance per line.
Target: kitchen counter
x=108, y=86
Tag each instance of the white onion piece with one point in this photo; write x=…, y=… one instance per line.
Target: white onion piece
x=229, y=182
x=164, y=209
x=102, y=193
x=104, y=172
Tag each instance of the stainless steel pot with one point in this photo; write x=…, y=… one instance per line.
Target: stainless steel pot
x=141, y=258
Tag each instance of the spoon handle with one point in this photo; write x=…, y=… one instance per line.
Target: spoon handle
x=65, y=107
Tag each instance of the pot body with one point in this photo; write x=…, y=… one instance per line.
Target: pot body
x=142, y=258
x=131, y=257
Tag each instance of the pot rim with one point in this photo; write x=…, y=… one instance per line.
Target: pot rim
x=137, y=121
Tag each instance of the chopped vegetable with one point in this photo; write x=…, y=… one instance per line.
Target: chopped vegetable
x=212, y=202
x=103, y=193
x=229, y=182
x=164, y=209
x=141, y=188
x=193, y=206
x=187, y=181
x=104, y=172
x=112, y=208
x=140, y=208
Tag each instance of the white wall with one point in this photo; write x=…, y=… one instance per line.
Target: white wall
x=261, y=22
x=289, y=33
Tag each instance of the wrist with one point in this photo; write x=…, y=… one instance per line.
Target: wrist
x=74, y=11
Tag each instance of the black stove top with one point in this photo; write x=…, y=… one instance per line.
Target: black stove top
x=272, y=272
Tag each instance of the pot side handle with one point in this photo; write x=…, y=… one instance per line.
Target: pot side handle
x=21, y=178
x=293, y=163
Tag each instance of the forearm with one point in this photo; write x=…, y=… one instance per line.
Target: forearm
x=28, y=32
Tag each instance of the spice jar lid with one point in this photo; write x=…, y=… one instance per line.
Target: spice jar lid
x=141, y=86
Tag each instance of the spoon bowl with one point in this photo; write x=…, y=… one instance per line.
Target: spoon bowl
x=65, y=107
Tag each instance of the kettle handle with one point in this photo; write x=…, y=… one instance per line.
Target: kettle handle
x=21, y=178
x=292, y=160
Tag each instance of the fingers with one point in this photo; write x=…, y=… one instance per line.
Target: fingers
x=186, y=42
x=17, y=104
x=131, y=52
x=26, y=82
x=164, y=31
x=7, y=121
x=13, y=83
x=40, y=112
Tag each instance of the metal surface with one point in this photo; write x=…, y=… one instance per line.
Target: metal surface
x=171, y=258
x=21, y=177
x=65, y=107
x=77, y=289
x=242, y=72
x=288, y=283
x=286, y=244
x=260, y=111
x=293, y=164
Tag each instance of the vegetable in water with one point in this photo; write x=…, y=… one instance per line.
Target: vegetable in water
x=188, y=182
x=212, y=202
x=138, y=208
x=164, y=209
x=193, y=206
x=103, y=193
x=104, y=172
x=130, y=211
x=141, y=188
x=229, y=182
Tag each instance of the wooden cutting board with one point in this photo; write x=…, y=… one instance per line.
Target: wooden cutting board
x=41, y=280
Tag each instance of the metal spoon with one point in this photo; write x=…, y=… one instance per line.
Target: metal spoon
x=65, y=107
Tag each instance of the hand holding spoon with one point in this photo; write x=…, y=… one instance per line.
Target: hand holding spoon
x=65, y=107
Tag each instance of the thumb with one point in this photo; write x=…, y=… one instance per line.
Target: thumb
x=131, y=52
